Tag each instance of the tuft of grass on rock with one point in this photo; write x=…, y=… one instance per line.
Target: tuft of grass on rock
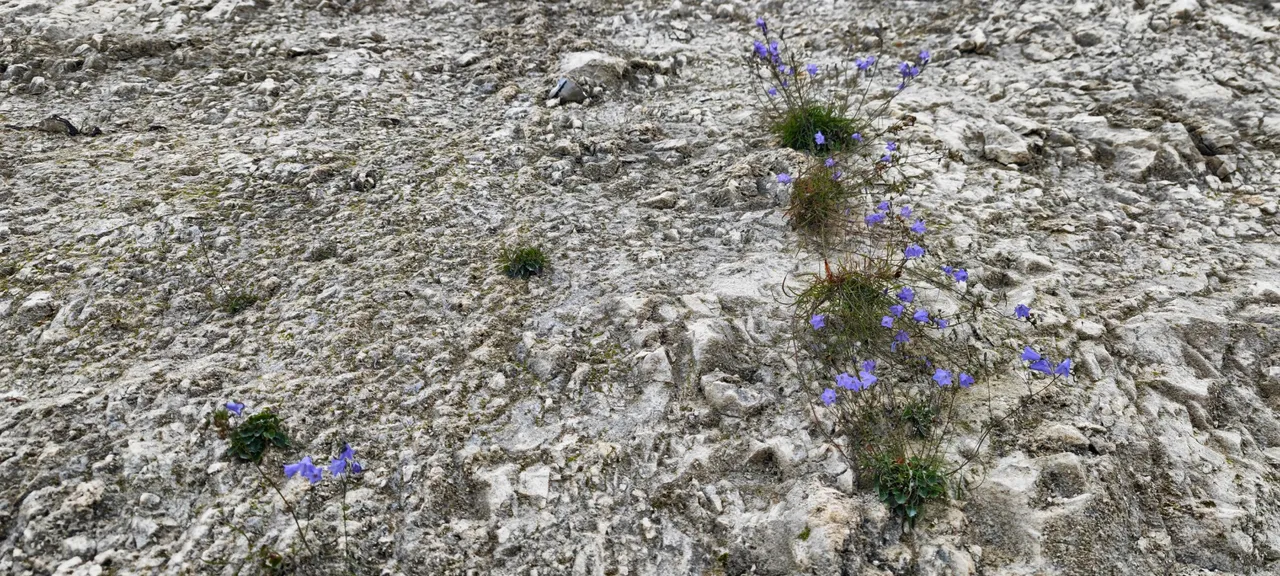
x=796, y=128
x=853, y=304
x=817, y=200
x=522, y=261
x=252, y=437
x=237, y=301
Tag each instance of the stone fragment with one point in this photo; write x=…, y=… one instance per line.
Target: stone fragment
x=726, y=394
x=566, y=90
x=535, y=482
x=663, y=201
x=656, y=366
x=1004, y=146
x=595, y=68
x=37, y=306
x=58, y=125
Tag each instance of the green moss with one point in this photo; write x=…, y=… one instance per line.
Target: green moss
x=796, y=128
x=522, y=261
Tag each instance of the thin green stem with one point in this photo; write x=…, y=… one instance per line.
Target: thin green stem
x=288, y=508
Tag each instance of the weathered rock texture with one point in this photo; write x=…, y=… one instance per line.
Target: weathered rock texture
x=357, y=164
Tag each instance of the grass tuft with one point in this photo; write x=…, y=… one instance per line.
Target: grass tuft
x=237, y=301
x=816, y=203
x=853, y=303
x=796, y=128
x=523, y=261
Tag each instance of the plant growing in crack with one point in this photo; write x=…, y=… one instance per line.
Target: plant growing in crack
x=893, y=342
x=250, y=438
x=231, y=301
x=522, y=261
x=892, y=338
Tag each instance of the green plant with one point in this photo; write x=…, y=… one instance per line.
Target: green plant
x=270, y=561
x=906, y=484
x=252, y=437
x=920, y=415
x=237, y=301
x=852, y=303
x=796, y=127
x=522, y=261
x=231, y=301
x=817, y=201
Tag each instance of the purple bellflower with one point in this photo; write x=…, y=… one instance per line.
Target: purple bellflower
x=305, y=468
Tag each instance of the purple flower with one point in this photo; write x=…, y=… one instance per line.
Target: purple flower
x=786, y=70
x=887, y=321
x=830, y=162
x=942, y=377
x=345, y=460
x=773, y=50
x=906, y=294
x=899, y=338
x=918, y=227
x=772, y=91
x=818, y=321
x=961, y=275
x=965, y=380
x=235, y=407
x=905, y=211
x=942, y=323
x=887, y=159
x=812, y=69
x=857, y=137
x=1064, y=368
x=867, y=379
x=828, y=396
x=902, y=86
x=925, y=56
x=837, y=175
x=1022, y=311
x=868, y=366
x=921, y=316
x=865, y=63
x=844, y=380
x=303, y=467
x=874, y=218
x=1042, y=365
x=1029, y=355
x=908, y=71
x=913, y=251
x=891, y=147
x=884, y=206
x=819, y=138
x=897, y=309
x=761, y=51
x=947, y=269
x=764, y=28
x=784, y=178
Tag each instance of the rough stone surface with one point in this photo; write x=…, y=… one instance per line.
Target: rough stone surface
x=357, y=165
